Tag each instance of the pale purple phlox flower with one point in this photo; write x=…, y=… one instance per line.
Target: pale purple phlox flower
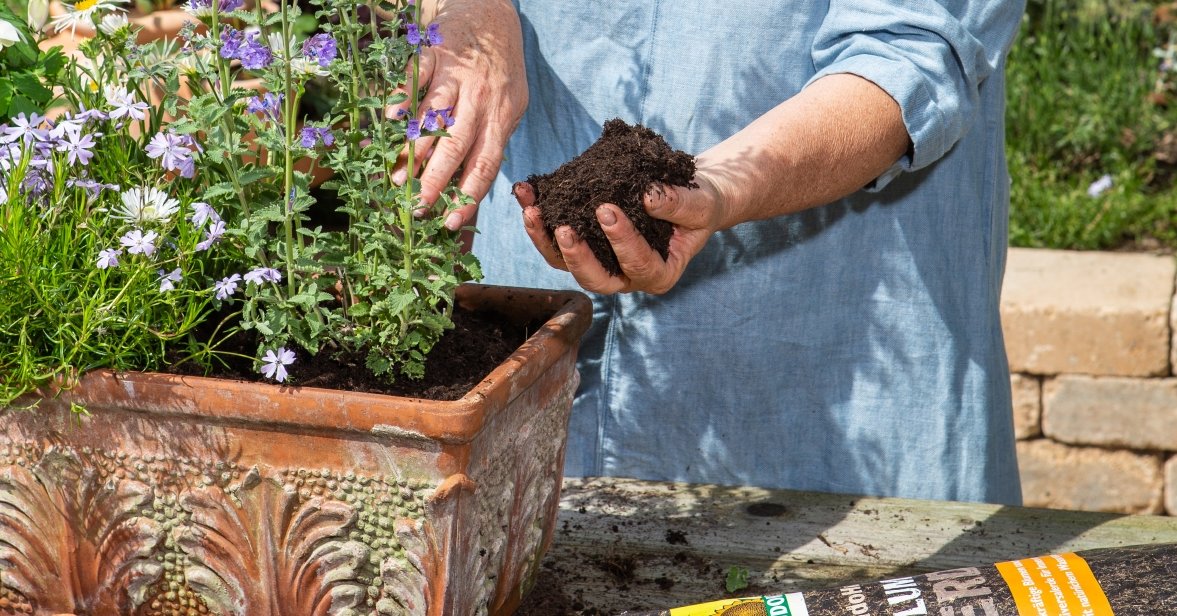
x=212, y=235
x=227, y=286
x=24, y=128
x=168, y=280
x=274, y=363
x=108, y=257
x=202, y=213
x=258, y=275
x=138, y=242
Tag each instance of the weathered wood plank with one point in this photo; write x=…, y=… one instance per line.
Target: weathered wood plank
x=625, y=544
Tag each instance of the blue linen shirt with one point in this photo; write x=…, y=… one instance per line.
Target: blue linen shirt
x=854, y=347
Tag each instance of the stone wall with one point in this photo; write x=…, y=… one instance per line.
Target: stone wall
x=1091, y=344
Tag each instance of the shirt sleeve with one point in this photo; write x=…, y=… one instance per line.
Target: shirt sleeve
x=931, y=56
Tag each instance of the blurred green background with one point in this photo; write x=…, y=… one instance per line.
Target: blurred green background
x=1093, y=93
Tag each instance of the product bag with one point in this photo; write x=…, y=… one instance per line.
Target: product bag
x=1127, y=581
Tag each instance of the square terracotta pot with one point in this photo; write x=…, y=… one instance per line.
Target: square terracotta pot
x=183, y=495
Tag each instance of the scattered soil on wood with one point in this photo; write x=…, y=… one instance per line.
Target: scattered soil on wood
x=479, y=342
x=623, y=164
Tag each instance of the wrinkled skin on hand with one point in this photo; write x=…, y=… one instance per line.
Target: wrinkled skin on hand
x=477, y=70
x=694, y=212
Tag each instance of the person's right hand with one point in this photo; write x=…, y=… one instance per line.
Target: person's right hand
x=478, y=71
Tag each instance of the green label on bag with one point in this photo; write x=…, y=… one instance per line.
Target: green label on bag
x=792, y=604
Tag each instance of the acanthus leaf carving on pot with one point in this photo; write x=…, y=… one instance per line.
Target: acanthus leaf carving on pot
x=74, y=542
x=260, y=550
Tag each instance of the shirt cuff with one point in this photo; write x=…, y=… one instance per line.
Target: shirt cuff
x=923, y=119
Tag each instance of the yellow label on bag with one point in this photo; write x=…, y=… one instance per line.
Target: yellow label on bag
x=1060, y=584
x=792, y=604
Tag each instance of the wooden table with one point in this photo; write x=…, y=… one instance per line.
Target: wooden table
x=633, y=545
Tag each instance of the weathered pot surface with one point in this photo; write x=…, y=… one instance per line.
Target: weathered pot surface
x=184, y=495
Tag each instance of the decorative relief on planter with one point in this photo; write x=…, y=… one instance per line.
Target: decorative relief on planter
x=102, y=532
x=80, y=532
x=181, y=496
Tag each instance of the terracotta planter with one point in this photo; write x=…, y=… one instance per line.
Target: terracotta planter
x=181, y=495
x=156, y=25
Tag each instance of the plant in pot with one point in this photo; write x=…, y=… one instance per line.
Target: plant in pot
x=24, y=66
x=138, y=238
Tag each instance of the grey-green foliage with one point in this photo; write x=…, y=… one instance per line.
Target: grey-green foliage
x=383, y=287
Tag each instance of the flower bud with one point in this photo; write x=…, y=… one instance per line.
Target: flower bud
x=38, y=14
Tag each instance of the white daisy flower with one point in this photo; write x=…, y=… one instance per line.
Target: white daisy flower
x=145, y=205
x=113, y=23
x=84, y=12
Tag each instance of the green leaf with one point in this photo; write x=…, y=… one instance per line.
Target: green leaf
x=5, y=99
x=736, y=578
x=30, y=86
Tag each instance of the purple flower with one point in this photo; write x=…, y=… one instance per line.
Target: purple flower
x=430, y=123
x=125, y=105
x=36, y=182
x=90, y=115
x=253, y=54
x=259, y=275
x=108, y=258
x=26, y=128
x=168, y=280
x=212, y=235
x=433, y=34
x=413, y=130
x=173, y=151
x=93, y=189
x=438, y=118
x=274, y=363
x=231, y=42
x=321, y=48
x=77, y=147
x=203, y=212
x=204, y=8
x=226, y=286
x=268, y=104
x=138, y=242
x=310, y=135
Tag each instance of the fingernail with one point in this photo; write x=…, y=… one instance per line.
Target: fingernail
x=564, y=238
x=453, y=222
x=606, y=217
x=420, y=212
x=398, y=177
x=528, y=221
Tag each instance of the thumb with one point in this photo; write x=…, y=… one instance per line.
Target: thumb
x=679, y=205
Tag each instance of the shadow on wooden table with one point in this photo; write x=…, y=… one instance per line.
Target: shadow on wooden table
x=636, y=545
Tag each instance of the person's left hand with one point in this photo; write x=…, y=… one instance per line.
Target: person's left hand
x=695, y=214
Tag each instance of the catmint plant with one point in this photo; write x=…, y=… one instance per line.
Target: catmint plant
x=383, y=288
x=165, y=207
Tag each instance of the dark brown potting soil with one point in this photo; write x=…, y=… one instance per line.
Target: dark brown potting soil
x=479, y=342
x=619, y=168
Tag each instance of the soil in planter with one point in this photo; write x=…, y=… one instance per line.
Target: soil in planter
x=619, y=168
x=479, y=342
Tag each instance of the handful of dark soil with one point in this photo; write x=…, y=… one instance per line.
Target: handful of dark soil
x=624, y=163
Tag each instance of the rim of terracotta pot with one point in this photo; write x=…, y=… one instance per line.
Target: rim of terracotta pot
x=329, y=410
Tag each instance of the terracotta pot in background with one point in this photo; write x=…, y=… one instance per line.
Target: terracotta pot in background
x=156, y=25
x=194, y=495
